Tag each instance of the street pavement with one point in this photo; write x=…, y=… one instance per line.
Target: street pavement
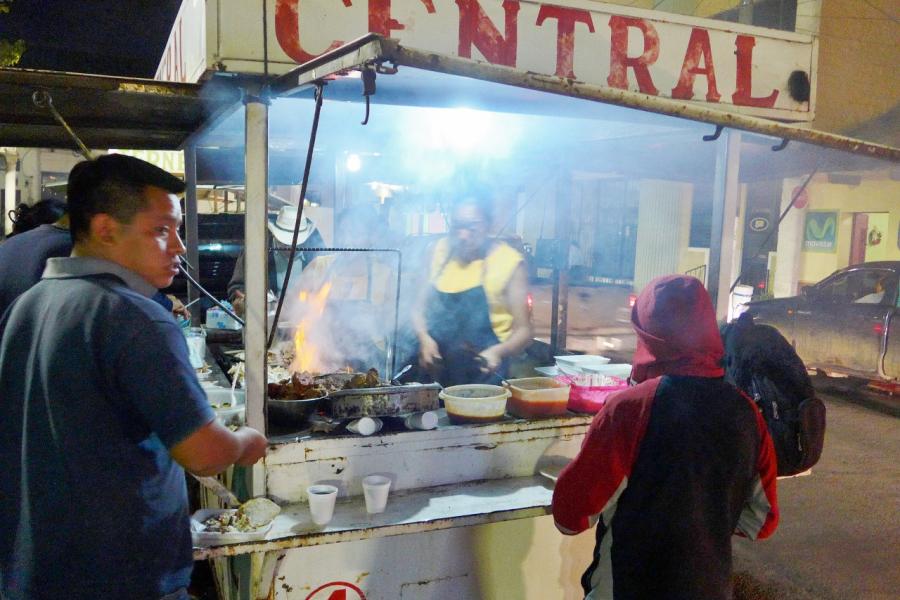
x=839, y=537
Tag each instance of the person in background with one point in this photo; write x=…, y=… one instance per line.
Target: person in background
x=472, y=315
x=281, y=236
x=24, y=255
x=102, y=410
x=672, y=467
x=25, y=217
x=877, y=294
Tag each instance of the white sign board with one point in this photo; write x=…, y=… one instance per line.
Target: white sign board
x=734, y=67
x=185, y=56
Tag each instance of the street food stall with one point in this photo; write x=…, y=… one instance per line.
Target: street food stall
x=467, y=509
x=466, y=513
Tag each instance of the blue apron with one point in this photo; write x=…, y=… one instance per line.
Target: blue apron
x=460, y=323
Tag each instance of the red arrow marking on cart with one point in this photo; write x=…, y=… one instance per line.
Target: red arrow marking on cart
x=337, y=590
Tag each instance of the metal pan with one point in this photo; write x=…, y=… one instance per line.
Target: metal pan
x=385, y=401
x=293, y=412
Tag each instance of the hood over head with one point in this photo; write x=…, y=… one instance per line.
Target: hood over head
x=676, y=330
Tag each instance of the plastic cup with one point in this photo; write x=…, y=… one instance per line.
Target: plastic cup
x=196, y=342
x=424, y=420
x=375, y=490
x=321, y=502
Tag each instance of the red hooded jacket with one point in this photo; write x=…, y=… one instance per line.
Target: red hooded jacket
x=673, y=466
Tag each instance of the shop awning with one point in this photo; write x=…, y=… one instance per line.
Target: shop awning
x=106, y=112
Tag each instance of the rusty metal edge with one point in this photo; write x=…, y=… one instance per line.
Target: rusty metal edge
x=404, y=56
x=69, y=80
x=318, y=539
x=377, y=49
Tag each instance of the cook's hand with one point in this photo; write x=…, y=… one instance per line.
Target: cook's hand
x=255, y=446
x=429, y=354
x=491, y=359
x=237, y=303
x=178, y=307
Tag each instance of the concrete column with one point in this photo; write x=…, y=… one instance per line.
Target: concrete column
x=660, y=236
x=790, y=244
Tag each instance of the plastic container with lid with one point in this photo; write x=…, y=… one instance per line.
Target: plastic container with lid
x=537, y=397
x=474, y=403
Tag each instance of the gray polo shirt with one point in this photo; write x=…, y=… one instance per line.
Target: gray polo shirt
x=96, y=388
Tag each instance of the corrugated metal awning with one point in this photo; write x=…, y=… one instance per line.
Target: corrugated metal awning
x=106, y=112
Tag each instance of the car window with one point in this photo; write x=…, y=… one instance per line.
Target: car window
x=871, y=287
x=841, y=288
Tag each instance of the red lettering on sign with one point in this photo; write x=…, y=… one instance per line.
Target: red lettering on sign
x=343, y=591
x=565, y=34
x=287, y=31
x=698, y=48
x=380, y=19
x=476, y=29
x=743, y=94
x=619, y=61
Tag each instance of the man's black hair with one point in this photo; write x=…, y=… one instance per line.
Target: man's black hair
x=113, y=184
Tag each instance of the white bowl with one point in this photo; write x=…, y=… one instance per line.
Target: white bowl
x=580, y=362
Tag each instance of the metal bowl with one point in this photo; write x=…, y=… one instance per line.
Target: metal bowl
x=293, y=412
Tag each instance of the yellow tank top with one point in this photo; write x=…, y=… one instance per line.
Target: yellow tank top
x=492, y=272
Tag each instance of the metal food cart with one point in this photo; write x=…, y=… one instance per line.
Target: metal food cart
x=467, y=516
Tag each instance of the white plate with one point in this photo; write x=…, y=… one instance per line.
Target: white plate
x=580, y=361
x=207, y=538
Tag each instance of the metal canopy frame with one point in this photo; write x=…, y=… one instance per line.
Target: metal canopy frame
x=374, y=51
x=108, y=112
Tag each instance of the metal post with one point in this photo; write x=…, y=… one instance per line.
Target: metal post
x=561, y=272
x=10, y=190
x=256, y=164
x=726, y=189
x=191, y=229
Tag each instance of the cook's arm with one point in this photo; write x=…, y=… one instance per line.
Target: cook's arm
x=213, y=447
x=517, y=300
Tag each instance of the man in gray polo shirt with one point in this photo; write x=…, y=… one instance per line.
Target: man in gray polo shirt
x=102, y=410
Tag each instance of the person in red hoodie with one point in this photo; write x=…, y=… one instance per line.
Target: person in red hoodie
x=673, y=466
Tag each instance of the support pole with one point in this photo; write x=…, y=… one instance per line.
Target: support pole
x=256, y=164
x=560, y=306
x=726, y=189
x=9, y=191
x=191, y=228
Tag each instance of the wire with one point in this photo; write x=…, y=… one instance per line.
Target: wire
x=320, y=92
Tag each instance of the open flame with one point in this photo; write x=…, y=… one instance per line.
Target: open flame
x=307, y=355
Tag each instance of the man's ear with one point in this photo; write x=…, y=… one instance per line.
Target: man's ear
x=104, y=229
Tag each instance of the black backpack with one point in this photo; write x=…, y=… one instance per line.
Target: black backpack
x=759, y=361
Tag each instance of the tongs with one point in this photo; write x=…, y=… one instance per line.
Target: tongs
x=223, y=493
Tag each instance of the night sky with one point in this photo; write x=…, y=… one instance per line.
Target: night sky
x=110, y=37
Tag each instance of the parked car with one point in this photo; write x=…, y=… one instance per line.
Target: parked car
x=843, y=324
